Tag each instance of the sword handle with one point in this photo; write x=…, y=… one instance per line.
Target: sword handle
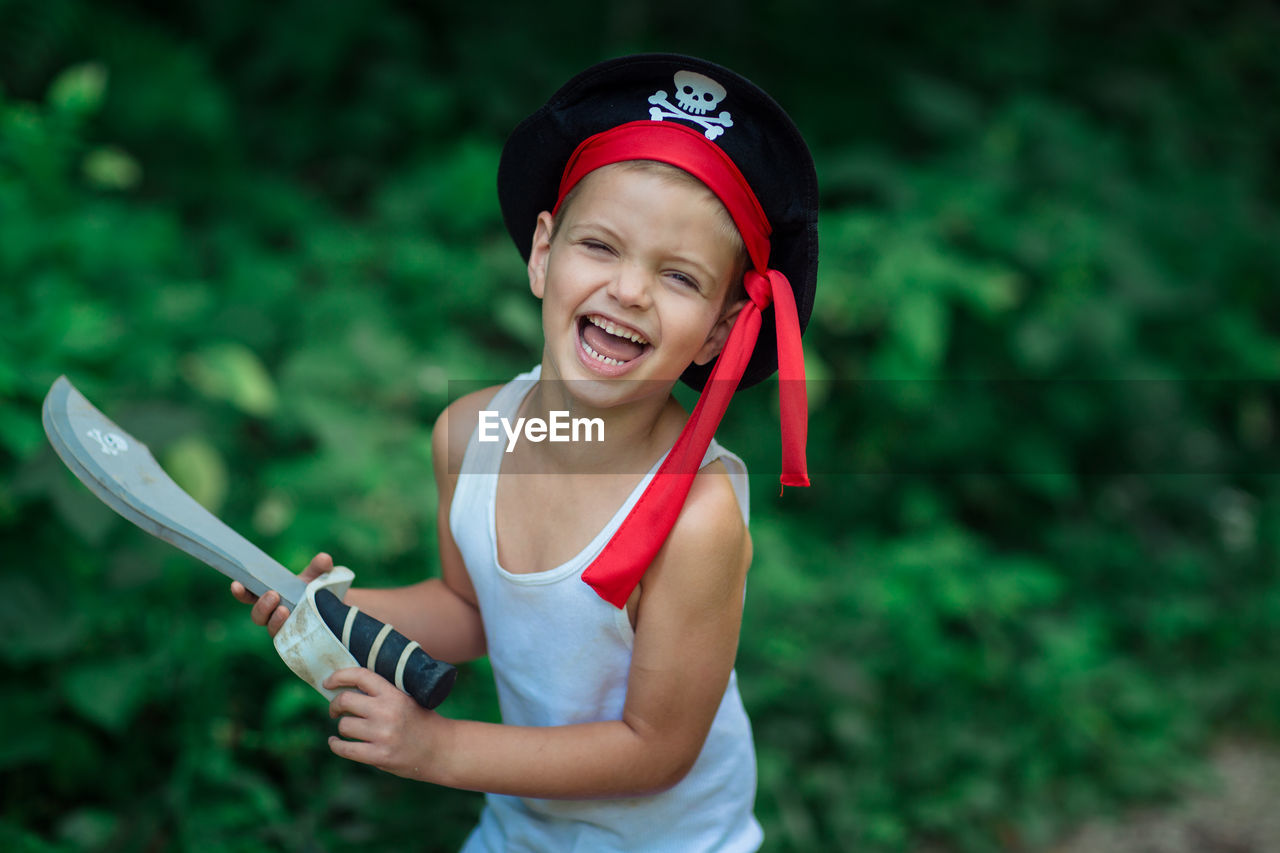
x=386, y=651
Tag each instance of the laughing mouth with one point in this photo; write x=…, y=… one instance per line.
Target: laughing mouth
x=608, y=342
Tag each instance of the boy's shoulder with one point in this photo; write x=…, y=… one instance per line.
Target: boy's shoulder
x=453, y=428
x=709, y=549
x=711, y=511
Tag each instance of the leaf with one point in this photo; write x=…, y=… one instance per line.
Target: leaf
x=32, y=715
x=78, y=508
x=78, y=91
x=108, y=694
x=111, y=168
x=940, y=105
x=89, y=828
x=292, y=699
x=232, y=372
x=199, y=469
x=518, y=316
x=274, y=513
x=920, y=324
x=14, y=837
x=20, y=431
x=33, y=624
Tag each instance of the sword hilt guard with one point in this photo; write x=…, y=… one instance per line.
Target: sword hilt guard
x=323, y=635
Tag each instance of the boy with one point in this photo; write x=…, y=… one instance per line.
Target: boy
x=663, y=236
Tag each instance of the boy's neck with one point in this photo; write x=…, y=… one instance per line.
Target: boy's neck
x=636, y=432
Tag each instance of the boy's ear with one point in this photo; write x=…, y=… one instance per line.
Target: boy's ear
x=539, y=254
x=719, y=333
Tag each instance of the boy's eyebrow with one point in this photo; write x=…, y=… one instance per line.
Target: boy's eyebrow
x=591, y=225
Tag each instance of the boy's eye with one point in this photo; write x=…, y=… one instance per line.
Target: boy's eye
x=682, y=278
x=595, y=245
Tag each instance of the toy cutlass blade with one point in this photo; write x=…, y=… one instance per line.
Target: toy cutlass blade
x=121, y=471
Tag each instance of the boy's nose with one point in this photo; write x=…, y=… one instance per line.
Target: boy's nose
x=630, y=286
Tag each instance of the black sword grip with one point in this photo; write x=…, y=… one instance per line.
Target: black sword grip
x=427, y=680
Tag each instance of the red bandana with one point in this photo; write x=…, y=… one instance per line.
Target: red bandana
x=626, y=557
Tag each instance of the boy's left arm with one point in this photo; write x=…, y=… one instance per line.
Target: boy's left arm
x=686, y=639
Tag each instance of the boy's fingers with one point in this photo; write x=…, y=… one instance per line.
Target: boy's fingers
x=343, y=678
x=353, y=750
x=278, y=617
x=366, y=681
x=241, y=594
x=265, y=607
x=319, y=565
x=349, y=703
x=355, y=727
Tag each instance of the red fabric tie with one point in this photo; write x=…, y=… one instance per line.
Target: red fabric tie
x=618, y=568
x=793, y=398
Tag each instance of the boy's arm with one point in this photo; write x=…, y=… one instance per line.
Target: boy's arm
x=441, y=613
x=686, y=639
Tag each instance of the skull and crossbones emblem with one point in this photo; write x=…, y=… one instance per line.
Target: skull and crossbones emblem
x=696, y=94
x=113, y=444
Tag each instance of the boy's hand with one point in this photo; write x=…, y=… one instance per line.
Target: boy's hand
x=267, y=610
x=380, y=725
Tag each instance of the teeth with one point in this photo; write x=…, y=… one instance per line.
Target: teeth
x=597, y=356
x=609, y=327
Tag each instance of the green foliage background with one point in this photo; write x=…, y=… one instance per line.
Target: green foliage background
x=264, y=237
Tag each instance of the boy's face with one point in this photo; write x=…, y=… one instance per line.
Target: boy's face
x=634, y=280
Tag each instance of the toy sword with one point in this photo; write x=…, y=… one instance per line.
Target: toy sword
x=120, y=470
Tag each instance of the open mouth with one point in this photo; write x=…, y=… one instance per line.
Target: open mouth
x=609, y=343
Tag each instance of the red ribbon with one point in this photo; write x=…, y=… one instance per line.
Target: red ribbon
x=625, y=558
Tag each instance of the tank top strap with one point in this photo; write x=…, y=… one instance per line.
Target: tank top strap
x=737, y=470
x=486, y=457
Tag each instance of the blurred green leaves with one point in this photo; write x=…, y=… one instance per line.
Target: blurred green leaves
x=197, y=467
x=110, y=168
x=266, y=242
x=78, y=91
x=231, y=372
x=108, y=693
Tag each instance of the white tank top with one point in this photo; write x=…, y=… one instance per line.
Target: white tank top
x=561, y=655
